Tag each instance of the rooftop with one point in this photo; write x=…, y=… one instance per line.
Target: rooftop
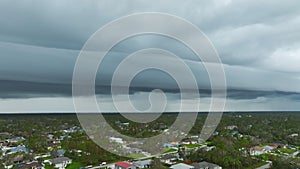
x=181, y=166
x=204, y=164
x=60, y=160
x=124, y=164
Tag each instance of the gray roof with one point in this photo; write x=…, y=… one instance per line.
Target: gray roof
x=204, y=164
x=20, y=149
x=142, y=163
x=61, y=152
x=30, y=165
x=59, y=160
x=181, y=166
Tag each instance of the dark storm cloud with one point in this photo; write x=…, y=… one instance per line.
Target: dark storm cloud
x=257, y=41
x=21, y=89
x=251, y=94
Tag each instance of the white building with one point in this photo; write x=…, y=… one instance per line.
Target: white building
x=117, y=140
x=181, y=166
x=206, y=165
x=60, y=162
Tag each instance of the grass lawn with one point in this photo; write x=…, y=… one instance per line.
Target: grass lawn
x=170, y=150
x=135, y=155
x=265, y=156
x=192, y=145
x=285, y=150
x=47, y=166
x=74, y=165
x=208, y=143
x=258, y=165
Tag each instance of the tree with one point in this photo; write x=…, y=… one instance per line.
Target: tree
x=156, y=164
x=181, y=152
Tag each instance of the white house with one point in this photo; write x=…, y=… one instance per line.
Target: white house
x=232, y=127
x=257, y=150
x=181, y=166
x=60, y=162
x=206, y=165
x=117, y=140
x=294, y=135
x=189, y=141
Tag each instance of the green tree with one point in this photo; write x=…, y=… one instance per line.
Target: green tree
x=156, y=164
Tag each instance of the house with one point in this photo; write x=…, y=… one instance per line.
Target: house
x=8, y=167
x=216, y=133
x=278, y=145
x=181, y=166
x=170, y=158
x=257, y=150
x=292, y=147
x=206, y=165
x=20, y=148
x=18, y=159
x=2, y=142
x=294, y=135
x=171, y=145
x=124, y=165
x=209, y=148
x=32, y=165
x=60, y=162
x=15, y=140
x=50, y=136
x=233, y=133
x=60, y=153
x=268, y=149
x=232, y=127
x=53, y=143
x=143, y=164
x=125, y=124
x=189, y=141
x=42, y=156
x=116, y=140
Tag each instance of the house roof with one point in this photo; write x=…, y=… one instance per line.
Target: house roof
x=181, y=166
x=15, y=139
x=30, y=165
x=257, y=148
x=276, y=144
x=143, y=163
x=124, y=164
x=59, y=160
x=20, y=149
x=18, y=158
x=61, y=152
x=204, y=164
x=268, y=147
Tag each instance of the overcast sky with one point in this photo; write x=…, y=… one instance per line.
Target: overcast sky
x=257, y=41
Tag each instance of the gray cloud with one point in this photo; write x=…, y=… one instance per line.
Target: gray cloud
x=258, y=43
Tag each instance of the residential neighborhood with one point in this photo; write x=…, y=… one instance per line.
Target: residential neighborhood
x=68, y=147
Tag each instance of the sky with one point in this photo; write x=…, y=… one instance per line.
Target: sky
x=258, y=43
